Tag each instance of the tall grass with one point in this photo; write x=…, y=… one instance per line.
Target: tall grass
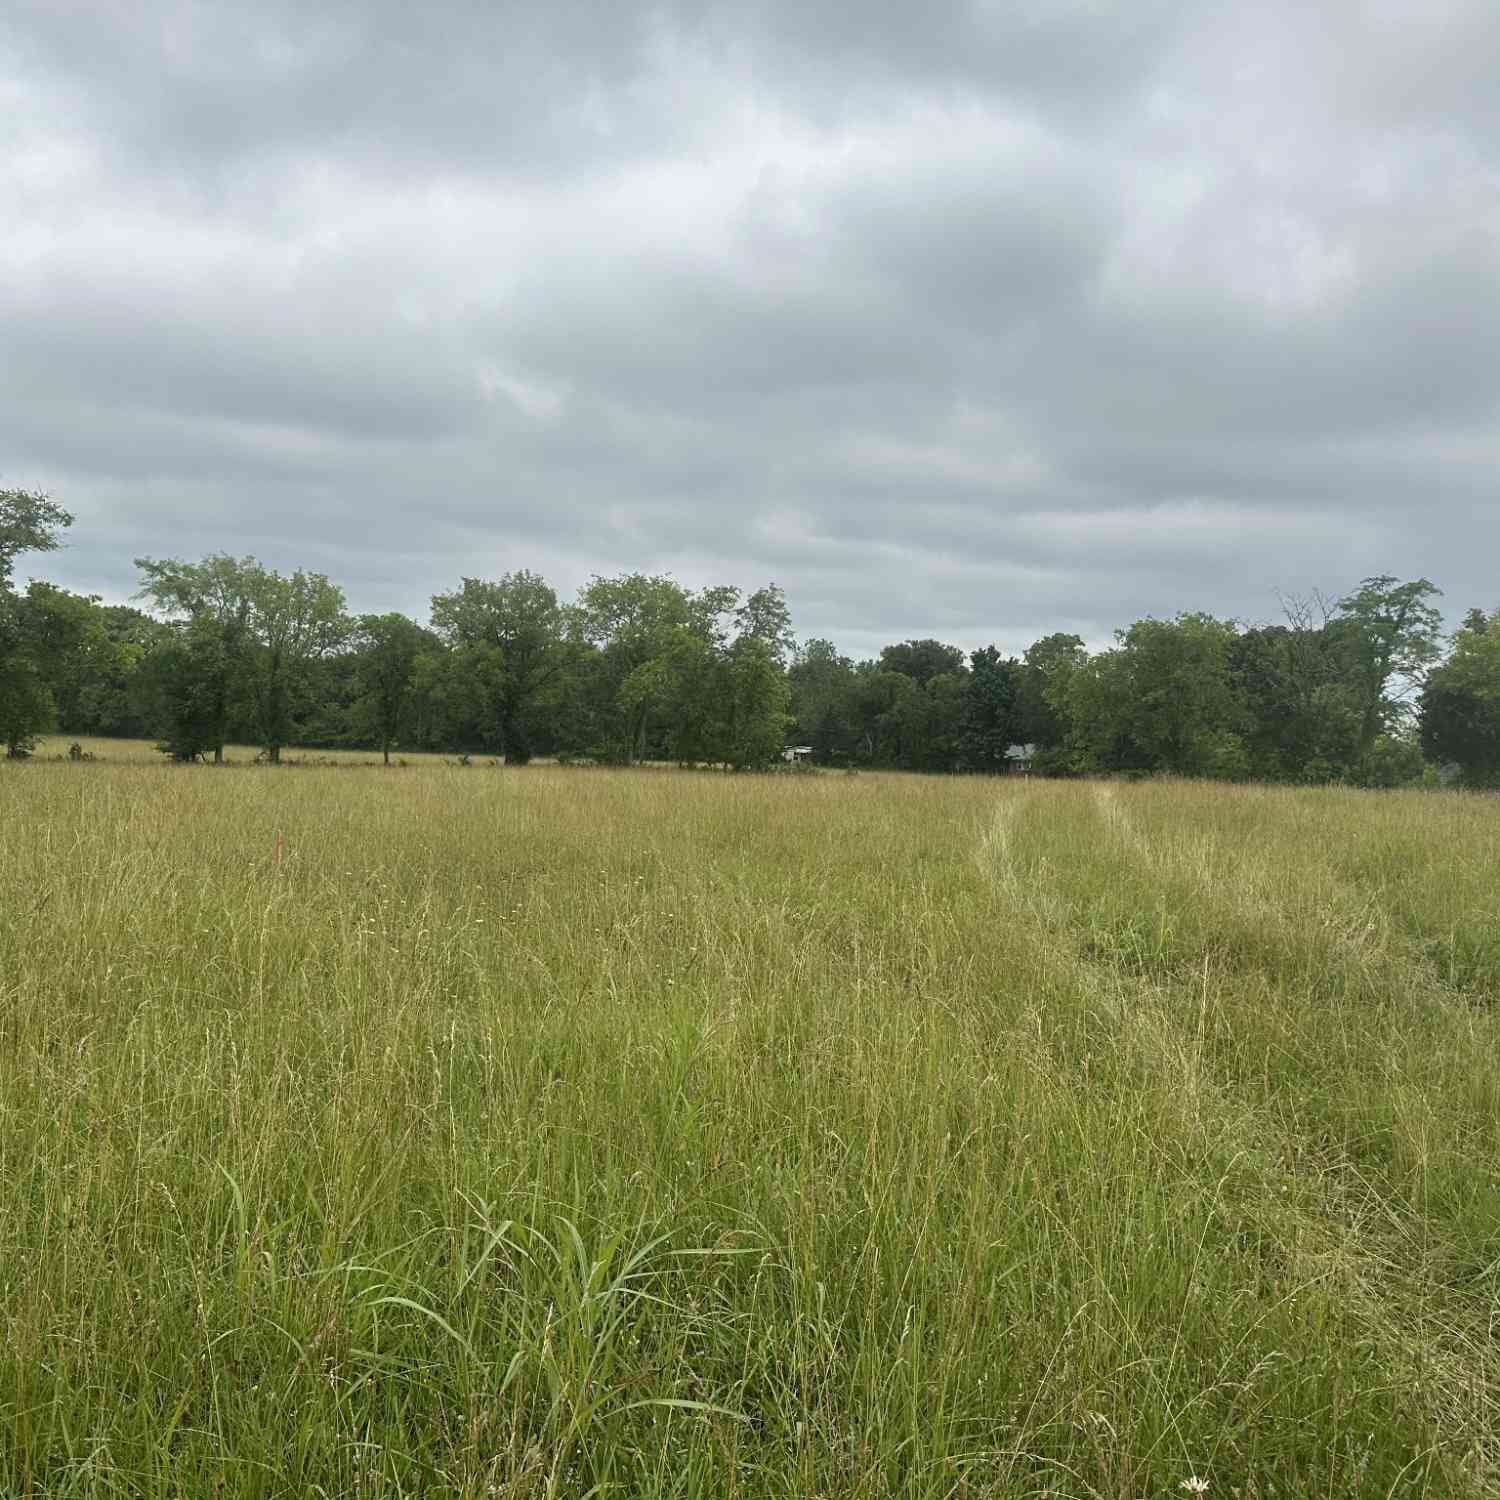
x=571, y=1132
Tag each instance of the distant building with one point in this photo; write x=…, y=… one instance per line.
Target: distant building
x=1019, y=758
x=797, y=752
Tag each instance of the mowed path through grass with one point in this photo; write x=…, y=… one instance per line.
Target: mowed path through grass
x=563, y=1133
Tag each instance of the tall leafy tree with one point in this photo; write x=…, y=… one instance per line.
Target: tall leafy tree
x=631, y=622
x=991, y=711
x=676, y=691
x=387, y=648
x=447, y=710
x=29, y=522
x=1163, y=700
x=930, y=724
x=60, y=636
x=1460, y=703
x=886, y=716
x=1044, y=671
x=192, y=679
x=245, y=639
x=295, y=620
x=510, y=636
x=672, y=680
x=202, y=670
x=1392, y=633
x=921, y=660
x=1092, y=701
x=71, y=644
x=1301, y=700
x=100, y=690
x=26, y=706
x=755, y=703
x=908, y=706
x=765, y=617
x=822, y=684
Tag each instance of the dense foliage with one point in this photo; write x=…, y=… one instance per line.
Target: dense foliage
x=1356, y=690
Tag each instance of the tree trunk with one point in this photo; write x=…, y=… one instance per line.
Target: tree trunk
x=275, y=724
x=515, y=747
x=385, y=749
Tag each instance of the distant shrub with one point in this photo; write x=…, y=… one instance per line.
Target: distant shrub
x=1392, y=761
x=792, y=768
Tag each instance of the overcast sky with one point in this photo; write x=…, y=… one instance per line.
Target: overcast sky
x=977, y=320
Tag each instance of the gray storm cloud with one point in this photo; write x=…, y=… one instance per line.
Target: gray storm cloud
x=964, y=319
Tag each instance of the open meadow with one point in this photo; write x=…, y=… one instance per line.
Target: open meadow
x=563, y=1133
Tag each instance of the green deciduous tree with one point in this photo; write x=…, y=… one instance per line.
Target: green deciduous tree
x=447, y=710
x=295, y=620
x=1301, y=701
x=755, y=703
x=765, y=617
x=632, y=622
x=26, y=706
x=509, y=635
x=884, y=714
x=71, y=643
x=1162, y=700
x=245, y=639
x=1460, y=703
x=192, y=678
x=822, y=684
x=100, y=691
x=921, y=660
x=932, y=723
x=387, y=649
x=691, y=692
x=1044, y=672
x=29, y=522
x=675, y=692
x=991, y=711
x=1392, y=634
x=202, y=669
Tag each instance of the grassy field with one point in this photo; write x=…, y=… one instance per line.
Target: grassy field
x=444, y=1131
x=144, y=752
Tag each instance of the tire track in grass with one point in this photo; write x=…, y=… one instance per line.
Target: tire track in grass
x=1164, y=1147
x=1163, y=989
x=1387, y=1259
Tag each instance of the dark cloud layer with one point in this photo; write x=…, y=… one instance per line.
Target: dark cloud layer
x=972, y=319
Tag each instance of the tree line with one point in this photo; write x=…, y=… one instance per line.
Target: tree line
x=1365, y=689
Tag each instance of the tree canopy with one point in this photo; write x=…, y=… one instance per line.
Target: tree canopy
x=38, y=632
x=1460, y=703
x=639, y=667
